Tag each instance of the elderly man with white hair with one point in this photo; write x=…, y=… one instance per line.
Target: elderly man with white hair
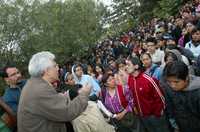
x=41, y=108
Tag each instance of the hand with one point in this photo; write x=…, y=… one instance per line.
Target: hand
x=63, y=94
x=121, y=77
x=120, y=115
x=135, y=111
x=12, y=83
x=86, y=88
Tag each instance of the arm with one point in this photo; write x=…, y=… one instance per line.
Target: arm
x=168, y=98
x=95, y=87
x=120, y=115
x=9, y=117
x=104, y=109
x=11, y=99
x=58, y=107
x=129, y=107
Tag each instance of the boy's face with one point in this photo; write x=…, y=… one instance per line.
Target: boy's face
x=151, y=47
x=79, y=71
x=14, y=76
x=130, y=68
x=171, y=42
x=196, y=36
x=177, y=84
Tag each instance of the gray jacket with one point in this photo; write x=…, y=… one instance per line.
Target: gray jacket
x=42, y=109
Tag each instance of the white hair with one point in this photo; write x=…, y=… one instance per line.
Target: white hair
x=40, y=62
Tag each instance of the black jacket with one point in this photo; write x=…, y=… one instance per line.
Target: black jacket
x=184, y=106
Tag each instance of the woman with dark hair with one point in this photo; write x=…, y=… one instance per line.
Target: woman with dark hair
x=151, y=69
x=118, y=100
x=99, y=73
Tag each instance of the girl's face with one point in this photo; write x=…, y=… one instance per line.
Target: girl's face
x=89, y=69
x=111, y=82
x=122, y=67
x=151, y=47
x=146, y=60
x=70, y=80
x=98, y=69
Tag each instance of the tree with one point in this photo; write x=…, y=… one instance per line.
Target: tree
x=127, y=14
x=122, y=14
x=67, y=28
x=167, y=8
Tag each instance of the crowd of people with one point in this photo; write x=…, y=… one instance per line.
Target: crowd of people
x=144, y=80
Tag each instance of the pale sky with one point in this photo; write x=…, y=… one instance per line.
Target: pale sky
x=106, y=2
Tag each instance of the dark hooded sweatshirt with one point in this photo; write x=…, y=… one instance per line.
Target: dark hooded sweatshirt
x=185, y=106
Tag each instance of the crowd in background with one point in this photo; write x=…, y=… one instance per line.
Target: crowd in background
x=178, y=36
x=156, y=43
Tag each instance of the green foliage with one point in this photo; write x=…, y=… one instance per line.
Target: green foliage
x=137, y=11
x=65, y=28
x=144, y=11
x=68, y=28
x=167, y=8
x=121, y=17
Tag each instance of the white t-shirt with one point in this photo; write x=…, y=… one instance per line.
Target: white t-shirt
x=158, y=56
x=194, y=49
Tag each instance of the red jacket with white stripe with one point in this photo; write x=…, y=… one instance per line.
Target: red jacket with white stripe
x=147, y=95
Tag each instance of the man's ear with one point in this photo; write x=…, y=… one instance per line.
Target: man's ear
x=136, y=67
x=44, y=72
x=187, y=78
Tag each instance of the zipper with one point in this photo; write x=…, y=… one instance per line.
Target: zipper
x=137, y=97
